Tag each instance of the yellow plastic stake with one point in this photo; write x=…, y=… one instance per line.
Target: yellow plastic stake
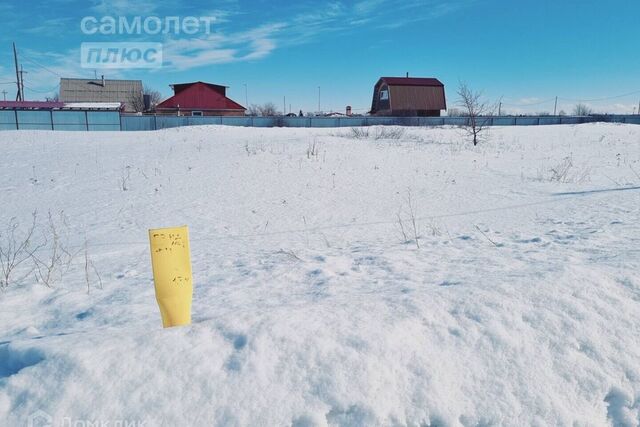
x=171, y=261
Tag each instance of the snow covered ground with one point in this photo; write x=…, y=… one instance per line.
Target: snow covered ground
x=314, y=304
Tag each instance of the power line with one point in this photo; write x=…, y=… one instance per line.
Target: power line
x=602, y=99
x=40, y=65
x=42, y=91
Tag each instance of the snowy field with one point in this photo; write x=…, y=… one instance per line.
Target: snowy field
x=399, y=278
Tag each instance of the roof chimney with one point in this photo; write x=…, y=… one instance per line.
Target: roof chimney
x=407, y=74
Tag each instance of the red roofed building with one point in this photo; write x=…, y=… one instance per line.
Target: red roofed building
x=408, y=96
x=200, y=99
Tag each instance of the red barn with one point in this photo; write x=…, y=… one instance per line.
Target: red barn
x=200, y=99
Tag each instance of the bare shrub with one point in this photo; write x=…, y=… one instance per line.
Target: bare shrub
x=408, y=226
x=53, y=260
x=359, y=133
x=15, y=248
x=566, y=172
x=313, y=149
x=377, y=133
x=384, y=132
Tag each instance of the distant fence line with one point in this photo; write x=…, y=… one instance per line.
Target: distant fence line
x=113, y=121
x=146, y=123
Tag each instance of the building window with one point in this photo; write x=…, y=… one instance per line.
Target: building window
x=384, y=95
x=196, y=113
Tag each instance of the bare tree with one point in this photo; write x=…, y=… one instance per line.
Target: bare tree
x=476, y=110
x=582, y=110
x=268, y=109
x=155, y=97
x=136, y=101
x=253, y=110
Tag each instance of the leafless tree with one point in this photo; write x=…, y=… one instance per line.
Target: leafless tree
x=253, y=110
x=154, y=95
x=136, y=101
x=268, y=109
x=582, y=110
x=477, y=111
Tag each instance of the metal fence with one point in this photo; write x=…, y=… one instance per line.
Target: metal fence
x=59, y=120
x=113, y=121
x=146, y=123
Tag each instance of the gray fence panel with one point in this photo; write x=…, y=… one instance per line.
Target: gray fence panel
x=42, y=118
x=265, y=122
x=164, y=122
x=633, y=120
x=69, y=118
x=527, y=121
x=103, y=118
x=70, y=127
x=35, y=126
x=455, y=121
x=104, y=127
x=549, y=121
x=324, y=122
x=504, y=121
x=236, y=121
x=297, y=122
x=138, y=123
x=569, y=120
x=8, y=120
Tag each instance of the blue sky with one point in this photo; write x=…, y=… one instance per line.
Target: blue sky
x=525, y=52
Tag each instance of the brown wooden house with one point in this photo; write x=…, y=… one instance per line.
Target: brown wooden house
x=408, y=96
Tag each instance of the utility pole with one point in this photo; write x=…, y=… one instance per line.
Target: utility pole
x=639, y=108
x=246, y=96
x=284, y=106
x=319, y=100
x=15, y=58
x=22, y=72
x=4, y=94
x=555, y=106
x=500, y=108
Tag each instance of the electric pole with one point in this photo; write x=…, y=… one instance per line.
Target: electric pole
x=555, y=106
x=319, y=100
x=500, y=108
x=284, y=106
x=639, y=108
x=22, y=72
x=19, y=96
x=246, y=96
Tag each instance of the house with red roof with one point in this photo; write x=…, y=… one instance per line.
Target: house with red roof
x=199, y=99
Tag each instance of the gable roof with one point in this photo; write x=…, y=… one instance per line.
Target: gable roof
x=411, y=81
x=199, y=96
x=97, y=90
x=179, y=87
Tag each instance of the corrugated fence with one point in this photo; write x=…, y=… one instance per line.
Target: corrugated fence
x=113, y=121
x=59, y=120
x=138, y=123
